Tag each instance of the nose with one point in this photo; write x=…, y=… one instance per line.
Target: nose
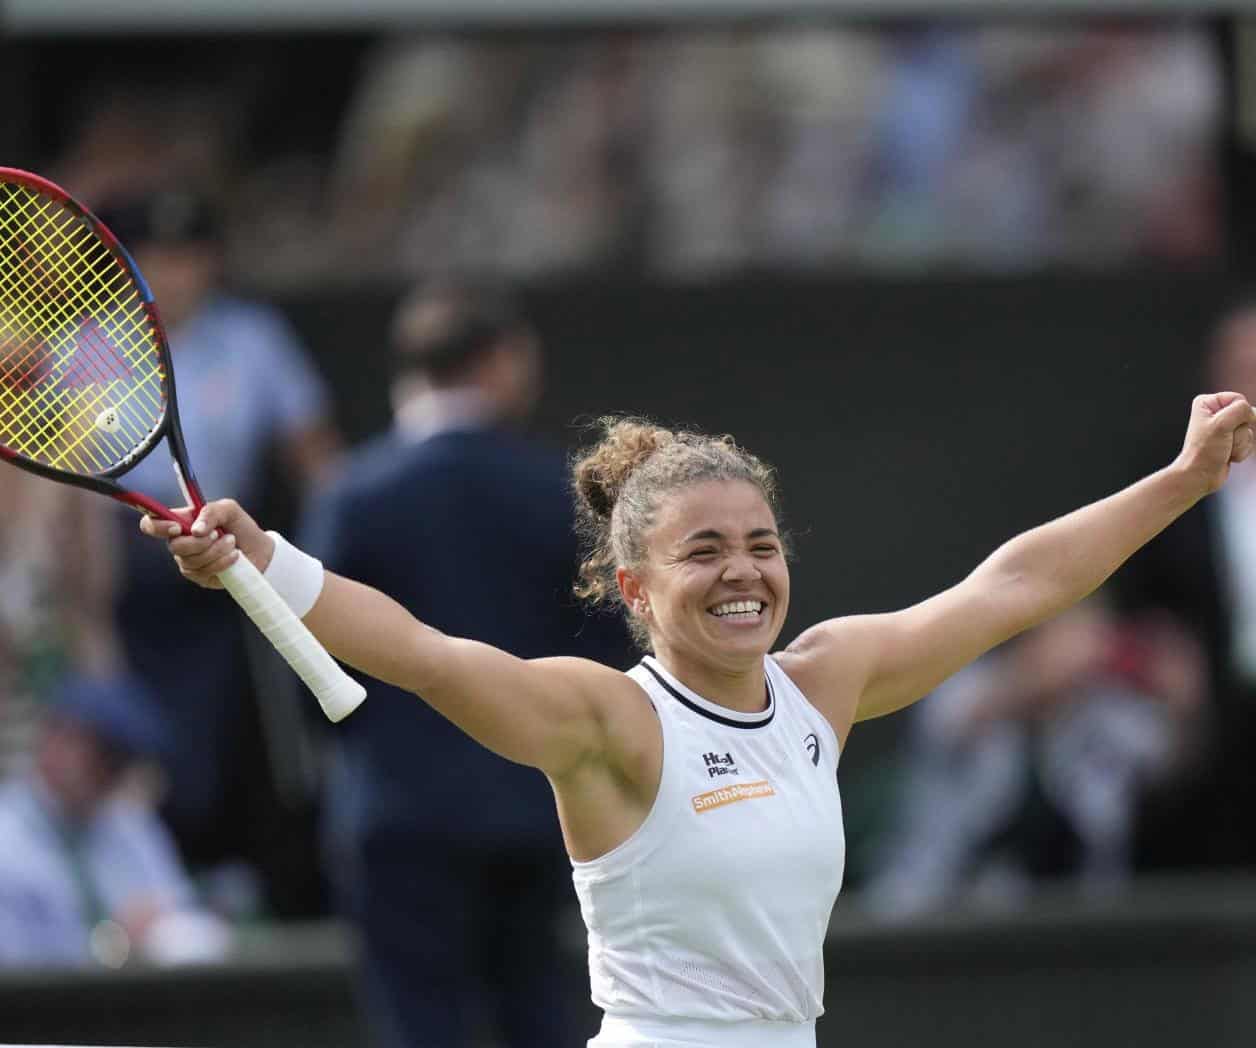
x=741, y=567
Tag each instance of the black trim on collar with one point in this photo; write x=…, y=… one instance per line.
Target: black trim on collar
x=728, y=722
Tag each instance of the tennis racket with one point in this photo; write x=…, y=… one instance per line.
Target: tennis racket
x=87, y=389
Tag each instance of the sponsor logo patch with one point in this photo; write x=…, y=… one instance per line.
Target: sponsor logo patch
x=720, y=764
x=741, y=791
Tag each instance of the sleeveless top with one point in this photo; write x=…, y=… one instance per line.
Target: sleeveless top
x=717, y=907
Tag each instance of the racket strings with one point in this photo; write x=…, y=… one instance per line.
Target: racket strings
x=38, y=283
x=111, y=280
x=82, y=386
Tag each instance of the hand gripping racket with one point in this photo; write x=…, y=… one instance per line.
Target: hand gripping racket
x=87, y=389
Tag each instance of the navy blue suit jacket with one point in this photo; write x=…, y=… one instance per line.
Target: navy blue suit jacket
x=471, y=530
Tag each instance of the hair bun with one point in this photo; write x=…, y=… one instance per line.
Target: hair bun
x=600, y=475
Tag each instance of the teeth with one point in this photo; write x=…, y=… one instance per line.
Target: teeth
x=735, y=607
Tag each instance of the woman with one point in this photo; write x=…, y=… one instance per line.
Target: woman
x=697, y=793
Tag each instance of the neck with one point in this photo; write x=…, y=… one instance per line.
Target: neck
x=738, y=687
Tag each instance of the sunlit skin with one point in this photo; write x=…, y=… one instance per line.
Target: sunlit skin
x=712, y=543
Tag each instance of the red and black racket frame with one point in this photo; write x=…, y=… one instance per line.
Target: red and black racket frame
x=169, y=427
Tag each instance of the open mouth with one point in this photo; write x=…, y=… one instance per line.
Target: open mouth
x=739, y=610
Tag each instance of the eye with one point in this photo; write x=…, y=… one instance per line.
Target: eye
x=764, y=550
x=704, y=553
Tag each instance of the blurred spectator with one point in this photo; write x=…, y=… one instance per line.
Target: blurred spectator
x=128, y=138
x=992, y=145
x=1029, y=765
x=55, y=611
x=87, y=869
x=704, y=152
x=447, y=859
x=1204, y=567
x=517, y=156
x=254, y=411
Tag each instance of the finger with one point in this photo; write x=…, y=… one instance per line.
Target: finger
x=207, y=571
x=198, y=557
x=208, y=580
x=215, y=515
x=1236, y=412
x=158, y=528
x=1217, y=402
x=187, y=546
x=1244, y=442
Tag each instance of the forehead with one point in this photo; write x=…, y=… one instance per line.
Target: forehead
x=731, y=507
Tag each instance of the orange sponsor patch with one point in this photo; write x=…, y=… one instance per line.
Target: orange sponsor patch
x=742, y=791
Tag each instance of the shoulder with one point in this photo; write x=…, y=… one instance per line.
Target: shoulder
x=229, y=310
x=363, y=478
x=516, y=470
x=625, y=768
x=610, y=692
x=618, y=701
x=528, y=454
x=255, y=331
x=372, y=464
x=828, y=663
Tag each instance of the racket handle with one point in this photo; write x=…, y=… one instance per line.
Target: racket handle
x=337, y=692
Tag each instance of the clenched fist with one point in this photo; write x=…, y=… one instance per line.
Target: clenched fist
x=1219, y=433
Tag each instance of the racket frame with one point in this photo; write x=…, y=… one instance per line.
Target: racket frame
x=337, y=692
x=168, y=428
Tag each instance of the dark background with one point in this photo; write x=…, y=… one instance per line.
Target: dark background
x=916, y=423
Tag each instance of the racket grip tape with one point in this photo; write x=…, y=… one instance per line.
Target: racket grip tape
x=337, y=692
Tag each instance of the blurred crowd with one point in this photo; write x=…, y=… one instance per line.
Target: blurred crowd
x=696, y=152
x=165, y=784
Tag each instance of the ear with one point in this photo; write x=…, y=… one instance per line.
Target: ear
x=631, y=590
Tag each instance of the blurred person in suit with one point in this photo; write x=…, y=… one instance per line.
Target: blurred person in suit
x=257, y=416
x=1203, y=567
x=446, y=859
x=1027, y=767
x=88, y=870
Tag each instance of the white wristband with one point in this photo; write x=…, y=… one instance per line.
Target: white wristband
x=295, y=576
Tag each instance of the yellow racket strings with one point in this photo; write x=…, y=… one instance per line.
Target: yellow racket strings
x=81, y=381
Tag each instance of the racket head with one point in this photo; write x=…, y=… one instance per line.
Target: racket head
x=86, y=382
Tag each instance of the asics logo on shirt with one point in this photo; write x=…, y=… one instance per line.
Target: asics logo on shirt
x=813, y=747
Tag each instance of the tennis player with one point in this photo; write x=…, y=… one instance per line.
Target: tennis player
x=697, y=793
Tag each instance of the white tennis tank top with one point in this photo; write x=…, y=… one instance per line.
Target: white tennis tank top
x=714, y=912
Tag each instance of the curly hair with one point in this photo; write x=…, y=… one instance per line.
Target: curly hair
x=621, y=481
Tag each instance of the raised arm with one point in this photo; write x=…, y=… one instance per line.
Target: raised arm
x=547, y=713
x=865, y=666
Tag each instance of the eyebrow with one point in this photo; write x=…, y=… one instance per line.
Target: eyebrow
x=711, y=533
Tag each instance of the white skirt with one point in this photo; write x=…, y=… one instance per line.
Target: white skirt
x=631, y=1031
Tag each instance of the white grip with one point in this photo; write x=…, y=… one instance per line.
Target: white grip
x=337, y=692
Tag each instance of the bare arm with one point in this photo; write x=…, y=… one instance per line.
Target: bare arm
x=546, y=713
x=866, y=666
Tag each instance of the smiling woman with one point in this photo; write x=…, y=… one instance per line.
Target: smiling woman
x=699, y=517
x=697, y=793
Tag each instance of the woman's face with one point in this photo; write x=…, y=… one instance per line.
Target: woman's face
x=715, y=585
